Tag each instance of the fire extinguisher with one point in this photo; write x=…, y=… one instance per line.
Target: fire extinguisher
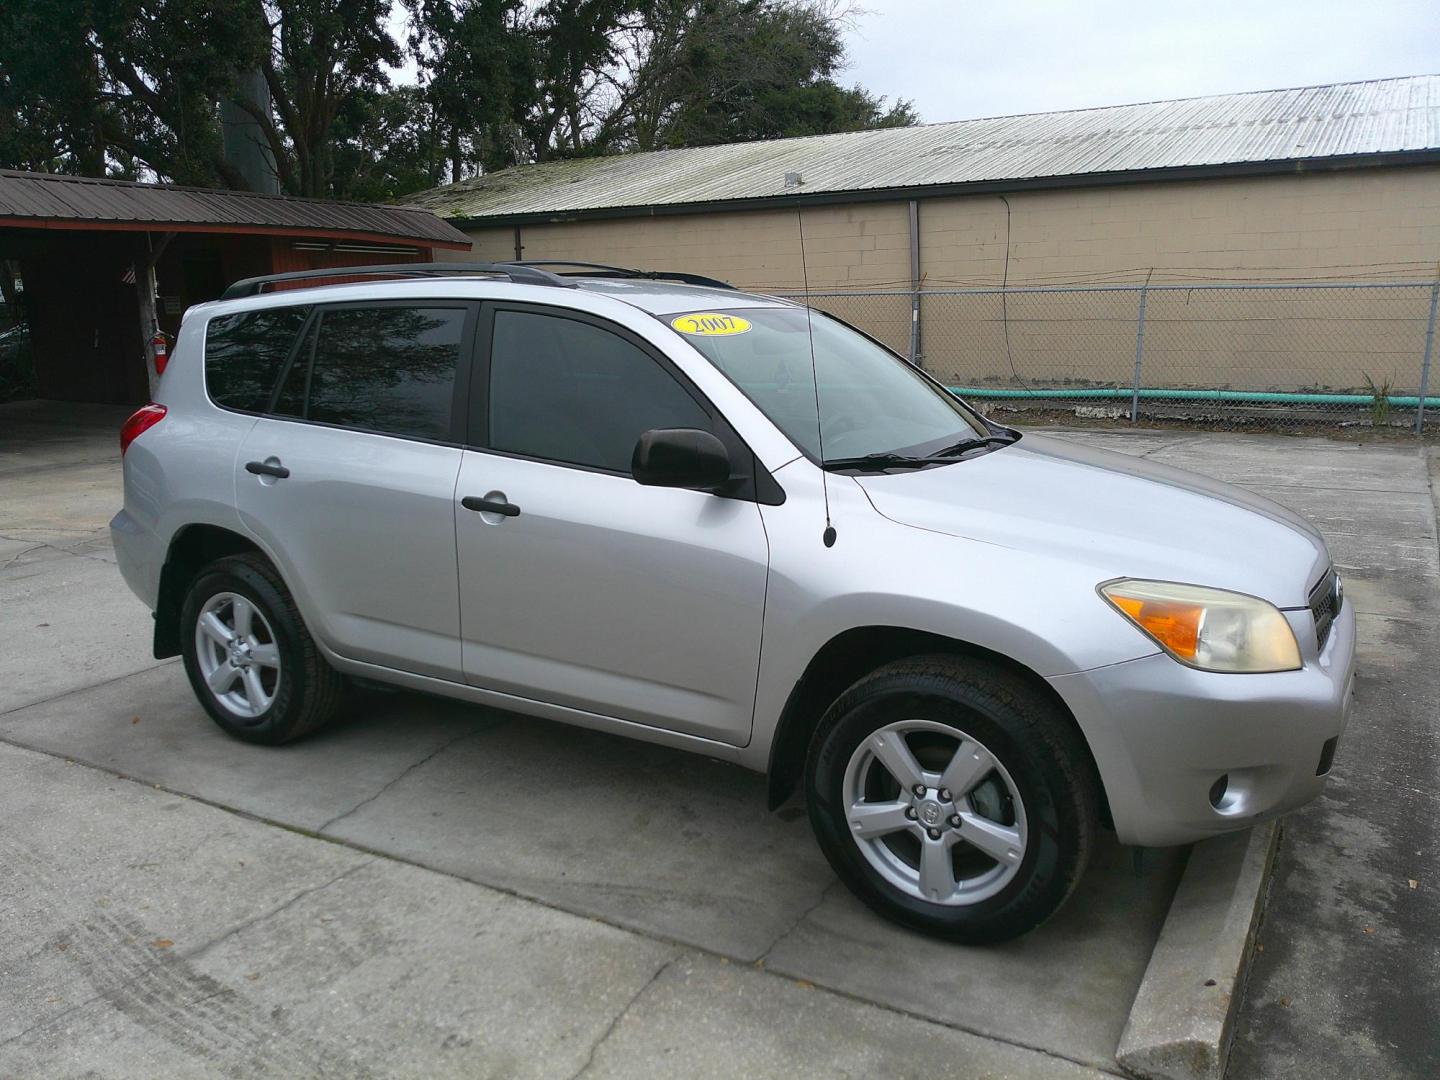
x=160, y=347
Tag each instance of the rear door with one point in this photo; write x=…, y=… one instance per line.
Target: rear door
x=593, y=591
x=350, y=479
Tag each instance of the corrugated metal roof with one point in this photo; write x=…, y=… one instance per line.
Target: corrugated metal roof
x=1385, y=116
x=47, y=197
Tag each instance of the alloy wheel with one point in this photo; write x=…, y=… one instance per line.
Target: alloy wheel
x=238, y=656
x=934, y=812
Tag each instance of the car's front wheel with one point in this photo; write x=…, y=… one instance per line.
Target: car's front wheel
x=953, y=797
x=249, y=656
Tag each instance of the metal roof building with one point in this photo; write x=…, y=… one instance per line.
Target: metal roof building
x=96, y=268
x=49, y=201
x=923, y=235
x=1347, y=125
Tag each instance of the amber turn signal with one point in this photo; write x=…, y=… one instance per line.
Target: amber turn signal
x=1211, y=629
x=1174, y=625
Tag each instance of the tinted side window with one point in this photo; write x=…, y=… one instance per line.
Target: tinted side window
x=244, y=354
x=290, y=399
x=568, y=391
x=387, y=369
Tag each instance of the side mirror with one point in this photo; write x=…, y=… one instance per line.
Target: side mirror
x=680, y=458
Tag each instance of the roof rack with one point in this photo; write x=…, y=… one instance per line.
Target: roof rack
x=519, y=273
x=602, y=270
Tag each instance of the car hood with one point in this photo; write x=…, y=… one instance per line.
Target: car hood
x=1121, y=515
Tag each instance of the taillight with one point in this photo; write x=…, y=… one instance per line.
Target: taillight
x=141, y=421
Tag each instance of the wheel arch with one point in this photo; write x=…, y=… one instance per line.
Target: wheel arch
x=851, y=655
x=191, y=549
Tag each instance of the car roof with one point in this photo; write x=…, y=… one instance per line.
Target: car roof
x=668, y=297
x=650, y=295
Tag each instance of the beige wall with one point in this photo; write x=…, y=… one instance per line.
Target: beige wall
x=859, y=246
x=1361, y=225
x=1324, y=225
x=1317, y=226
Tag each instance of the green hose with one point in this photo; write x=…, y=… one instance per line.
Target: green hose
x=1404, y=401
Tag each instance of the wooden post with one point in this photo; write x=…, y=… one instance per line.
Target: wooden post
x=145, y=299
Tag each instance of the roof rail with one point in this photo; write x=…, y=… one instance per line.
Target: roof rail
x=516, y=272
x=590, y=269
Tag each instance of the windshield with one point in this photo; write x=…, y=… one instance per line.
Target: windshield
x=872, y=401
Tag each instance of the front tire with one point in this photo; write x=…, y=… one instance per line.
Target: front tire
x=952, y=796
x=250, y=659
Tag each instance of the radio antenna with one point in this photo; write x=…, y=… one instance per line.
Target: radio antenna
x=828, y=536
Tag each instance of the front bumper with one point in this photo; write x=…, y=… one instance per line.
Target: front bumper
x=1163, y=734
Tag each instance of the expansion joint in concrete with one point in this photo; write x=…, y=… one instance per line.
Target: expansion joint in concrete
x=399, y=777
x=615, y=1021
x=278, y=909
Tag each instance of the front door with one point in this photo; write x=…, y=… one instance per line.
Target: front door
x=578, y=586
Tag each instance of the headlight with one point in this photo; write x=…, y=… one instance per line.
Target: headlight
x=1210, y=629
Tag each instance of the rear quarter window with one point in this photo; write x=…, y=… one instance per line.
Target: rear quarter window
x=244, y=353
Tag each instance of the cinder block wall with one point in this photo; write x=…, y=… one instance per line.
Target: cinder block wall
x=848, y=247
x=1373, y=224
x=861, y=246
x=1298, y=227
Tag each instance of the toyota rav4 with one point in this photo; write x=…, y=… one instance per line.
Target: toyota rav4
x=729, y=524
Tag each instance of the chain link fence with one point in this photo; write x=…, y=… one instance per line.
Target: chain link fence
x=1276, y=356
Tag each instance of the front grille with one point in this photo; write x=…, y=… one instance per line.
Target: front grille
x=1325, y=600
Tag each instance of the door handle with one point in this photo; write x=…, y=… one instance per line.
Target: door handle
x=264, y=468
x=486, y=506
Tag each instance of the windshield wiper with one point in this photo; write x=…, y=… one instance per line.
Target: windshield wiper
x=966, y=445
x=888, y=460
x=879, y=461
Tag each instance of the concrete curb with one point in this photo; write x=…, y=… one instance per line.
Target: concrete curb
x=1180, y=1024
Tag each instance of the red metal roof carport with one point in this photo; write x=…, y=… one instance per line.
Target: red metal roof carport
x=105, y=262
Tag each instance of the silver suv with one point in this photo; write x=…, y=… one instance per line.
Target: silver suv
x=728, y=524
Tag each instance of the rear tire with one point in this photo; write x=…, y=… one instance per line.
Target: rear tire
x=250, y=659
x=987, y=861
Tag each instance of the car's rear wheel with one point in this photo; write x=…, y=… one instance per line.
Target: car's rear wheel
x=250, y=659
x=952, y=796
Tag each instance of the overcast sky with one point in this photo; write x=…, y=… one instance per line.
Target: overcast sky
x=958, y=59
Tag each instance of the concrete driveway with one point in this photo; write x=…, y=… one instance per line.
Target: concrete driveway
x=397, y=896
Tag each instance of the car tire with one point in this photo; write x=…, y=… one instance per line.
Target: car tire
x=1015, y=836
x=250, y=659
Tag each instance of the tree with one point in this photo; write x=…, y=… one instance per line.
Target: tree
x=385, y=145
x=315, y=55
x=107, y=86
x=478, y=61
x=134, y=87
x=578, y=41
x=611, y=75
x=732, y=70
x=47, y=118
x=90, y=87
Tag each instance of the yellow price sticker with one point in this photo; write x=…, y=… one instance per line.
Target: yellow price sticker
x=710, y=324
